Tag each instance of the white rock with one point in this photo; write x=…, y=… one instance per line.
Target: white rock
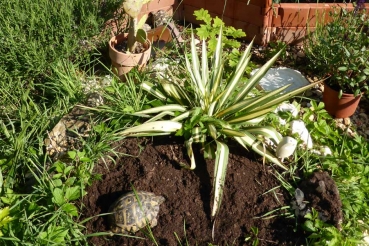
x=286, y=147
x=347, y=121
x=298, y=127
x=277, y=77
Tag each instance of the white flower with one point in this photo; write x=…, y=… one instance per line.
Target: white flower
x=286, y=147
x=298, y=126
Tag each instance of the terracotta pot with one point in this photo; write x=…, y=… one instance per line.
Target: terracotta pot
x=160, y=33
x=339, y=107
x=124, y=62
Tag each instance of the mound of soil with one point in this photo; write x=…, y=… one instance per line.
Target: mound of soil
x=154, y=165
x=322, y=194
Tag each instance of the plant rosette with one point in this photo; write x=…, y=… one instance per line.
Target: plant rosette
x=206, y=106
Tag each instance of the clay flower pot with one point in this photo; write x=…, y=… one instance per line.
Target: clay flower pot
x=339, y=107
x=124, y=62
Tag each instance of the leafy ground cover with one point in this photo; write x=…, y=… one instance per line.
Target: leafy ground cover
x=45, y=201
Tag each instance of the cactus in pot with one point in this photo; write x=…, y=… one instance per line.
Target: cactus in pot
x=135, y=33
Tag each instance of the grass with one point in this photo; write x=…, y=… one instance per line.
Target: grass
x=42, y=69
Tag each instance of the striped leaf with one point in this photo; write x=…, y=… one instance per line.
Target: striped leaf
x=256, y=78
x=153, y=127
x=149, y=87
x=250, y=141
x=220, y=170
x=266, y=131
x=169, y=107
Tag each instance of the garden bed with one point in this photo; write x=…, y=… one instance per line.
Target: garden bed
x=187, y=195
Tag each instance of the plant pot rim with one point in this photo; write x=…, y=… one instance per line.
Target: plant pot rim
x=344, y=93
x=115, y=40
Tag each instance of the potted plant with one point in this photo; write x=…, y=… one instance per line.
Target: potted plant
x=132, y=49
x=340, y=50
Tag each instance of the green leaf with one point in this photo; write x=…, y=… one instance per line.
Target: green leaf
x=236, y=33
x=4, y=216
x=231, y=132
x=57, y=234
x=217, y=22
x=141, y=36
x=68, y=169
x=57, y=176
x=70, y=209
x=196, y=116
x=59, y=166
x=203, y=32
x=58, y=196
x=73, y=193
x=72, y=154
x=309, y=226
x=342, y=69
x=249, y=116
x=70, y=181
x=209, y=151
x=57, y=182
x=203, y=15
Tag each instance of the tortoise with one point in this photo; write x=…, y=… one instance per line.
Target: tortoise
x=130, y=214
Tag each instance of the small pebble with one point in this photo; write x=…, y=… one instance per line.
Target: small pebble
x=347, y=121
x=300, y=54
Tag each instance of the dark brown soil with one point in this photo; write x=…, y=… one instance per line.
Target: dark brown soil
x=188, y=196
x=122, y=47
x=322, y=194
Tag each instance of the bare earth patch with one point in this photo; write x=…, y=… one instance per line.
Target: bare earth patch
x=187, y=194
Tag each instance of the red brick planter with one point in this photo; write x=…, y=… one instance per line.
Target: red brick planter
x=263, y=19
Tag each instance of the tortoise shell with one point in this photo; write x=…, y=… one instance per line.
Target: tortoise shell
x=130, y=214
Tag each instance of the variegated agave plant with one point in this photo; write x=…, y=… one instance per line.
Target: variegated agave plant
x=209, y=109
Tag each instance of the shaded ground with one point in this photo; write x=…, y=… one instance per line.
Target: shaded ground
x=322, y=193
x=188, y=200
